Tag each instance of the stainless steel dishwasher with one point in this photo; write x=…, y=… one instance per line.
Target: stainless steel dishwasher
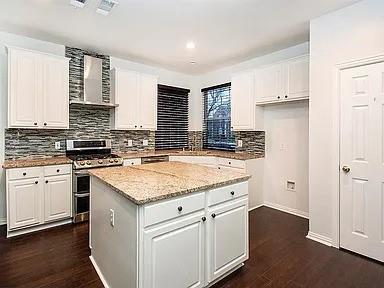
x=154, y=159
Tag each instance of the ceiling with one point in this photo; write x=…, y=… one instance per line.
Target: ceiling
x=155, y=32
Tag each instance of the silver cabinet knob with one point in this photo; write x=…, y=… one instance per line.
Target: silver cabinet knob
x=346, y=169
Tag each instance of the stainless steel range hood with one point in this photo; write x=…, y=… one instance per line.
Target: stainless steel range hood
x=93, y=85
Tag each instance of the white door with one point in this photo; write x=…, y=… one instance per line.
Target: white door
x=270, y=84
x=174, y=254
x=297, y=83
x=55, y=92
x=362, y=159
x=126, y=95
x=24, y=72
x=57, y=197
x=227, y=238
x=243, y=101
x=147, y=119
x=25, y=203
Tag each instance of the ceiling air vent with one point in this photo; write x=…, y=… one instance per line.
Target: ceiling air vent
x=106, y=6
x=78, y=3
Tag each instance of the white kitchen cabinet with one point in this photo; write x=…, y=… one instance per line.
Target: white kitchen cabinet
x=167, y=262
x=57, y=200
x=283, y=82
x=227, y=237
x=132, y=162
x=38, y=197
x=38, y=90
x=24, y=203
x=136, y=96
x=243, y=101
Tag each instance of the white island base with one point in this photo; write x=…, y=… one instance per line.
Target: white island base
x=186, y=241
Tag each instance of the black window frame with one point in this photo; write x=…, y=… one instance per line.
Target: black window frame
x=220, y=137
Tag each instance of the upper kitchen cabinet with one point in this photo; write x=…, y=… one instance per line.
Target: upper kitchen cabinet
x=244, y=114
x=136, y=96
x=38, y=90
x=283, y=82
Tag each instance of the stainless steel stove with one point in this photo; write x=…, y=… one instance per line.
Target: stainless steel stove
x=87, y=154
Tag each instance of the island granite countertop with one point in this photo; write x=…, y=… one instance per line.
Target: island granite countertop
x=152, y=182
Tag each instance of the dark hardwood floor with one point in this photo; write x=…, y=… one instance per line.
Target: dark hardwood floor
x=280, y=256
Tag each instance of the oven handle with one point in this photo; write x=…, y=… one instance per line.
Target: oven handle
x=81, y=195
x=82, y=173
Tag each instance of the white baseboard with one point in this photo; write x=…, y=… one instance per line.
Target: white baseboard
x=253, y=208
x=319, y=238
x=287, y=209
x=102, y=279
x=37, y=228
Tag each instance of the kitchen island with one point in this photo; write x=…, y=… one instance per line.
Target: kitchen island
x=167, y=225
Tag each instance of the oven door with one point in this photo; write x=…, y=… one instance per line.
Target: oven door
x=81, y=192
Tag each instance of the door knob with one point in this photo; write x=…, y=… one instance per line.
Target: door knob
x=346, y=169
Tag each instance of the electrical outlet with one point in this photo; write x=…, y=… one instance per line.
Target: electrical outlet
x=145, y=142
x=239, y=143
x=291, y=186
x=112, y=217
x=57, y=145
x=130, y=143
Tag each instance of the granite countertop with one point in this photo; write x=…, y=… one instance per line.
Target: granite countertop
x=35, y=162
x=152, y=182
x=215, y=153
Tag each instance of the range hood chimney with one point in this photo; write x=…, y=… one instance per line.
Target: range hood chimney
x=93, y=84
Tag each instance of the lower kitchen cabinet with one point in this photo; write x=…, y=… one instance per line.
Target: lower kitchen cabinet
x=37, y=198
x=24, y=203
x=57, y=200
x=174, y=254
x=227, y=237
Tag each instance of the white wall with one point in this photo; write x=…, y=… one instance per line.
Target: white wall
x=284, y=124
x=14, y=40
x=348, y=34
x=286, y=156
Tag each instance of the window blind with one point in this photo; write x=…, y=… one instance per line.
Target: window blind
x=172, y=118
x=217, y=132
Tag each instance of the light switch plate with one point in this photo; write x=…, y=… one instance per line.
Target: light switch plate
x=239, y=143
x=130, y=143
x=145, y=142
x=57, y=145
x=291, y=186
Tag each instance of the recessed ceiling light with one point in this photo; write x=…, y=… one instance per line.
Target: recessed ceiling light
x=106, y=6
x=191, y=45
x=77, y=3
x=192, y=62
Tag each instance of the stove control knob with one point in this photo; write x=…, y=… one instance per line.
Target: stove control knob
x=110, y=160
x=88, y=162
x=116, y=160
x=100, y=161
x=82, y=163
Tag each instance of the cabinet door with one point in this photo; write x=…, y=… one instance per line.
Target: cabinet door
x=55, y=92
x=227, y=237
x=242, y=102
x=126, y=91
x=270, y=84
x=25, y=203
x=174, y=254
x=23, y=88
x=297, y=78
x=57, y=197
x=147, y=102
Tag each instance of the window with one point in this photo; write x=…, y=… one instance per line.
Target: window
x=217, y=132
x=172, y=118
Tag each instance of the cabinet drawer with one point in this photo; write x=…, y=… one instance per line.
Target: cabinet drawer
x=231, y=163
x=57, y=170
x=168, y=209
x=24, y=173
x=131, y=162
x=227, y=193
